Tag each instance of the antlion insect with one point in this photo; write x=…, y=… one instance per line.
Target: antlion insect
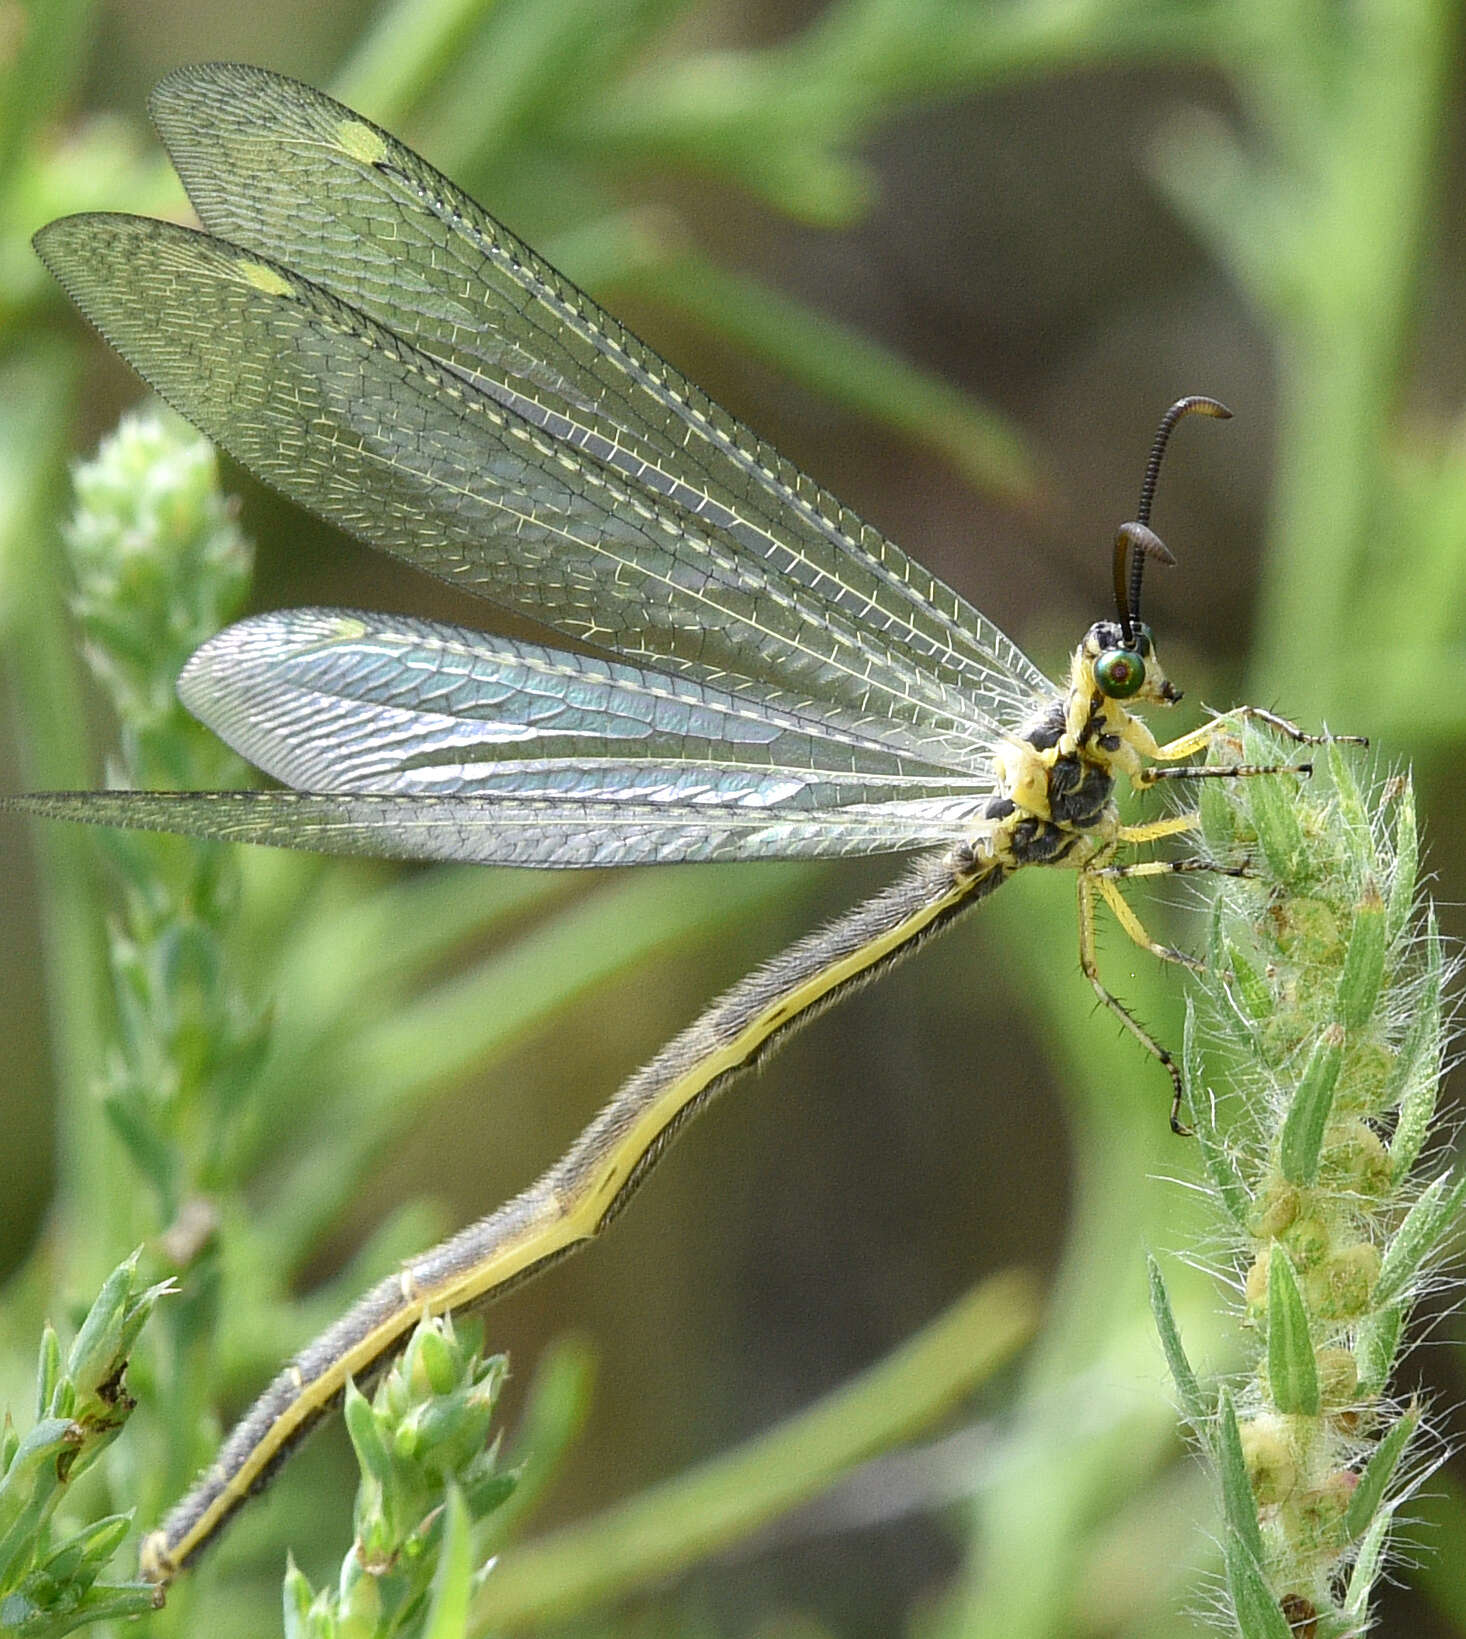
x=787, y=683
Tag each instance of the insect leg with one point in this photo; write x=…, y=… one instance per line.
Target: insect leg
x=1087, y=961
x=1200, y=738
x=1219, y=771
x=1154, y=830
x=1169, y=867
x=1291, y=731
x=1104, y=880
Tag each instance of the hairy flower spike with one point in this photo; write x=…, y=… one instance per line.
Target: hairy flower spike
x=1319, y=1035
x=158, y=563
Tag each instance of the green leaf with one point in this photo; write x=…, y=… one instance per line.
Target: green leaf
x=42, y=1443
x=1376, y=1343
x=1416, y=1081
x=366, y=1435
x=437, y=1358
x=453, y=1582
x=1374, y=1482
x=1407, y=863
x=1250, y=986
x=57, y=1613
x=1368, y=1562
x=1274, y=812
x=1188, y=1390
x=1303, y=1127
x=48, y=1371
x=1220, y=1168
x=93, y=1356
x=1422, y=1231
x=1364, y=962
x=1348, y=798
x=1238, y=1500
x=296, y=1596
x=1259, y=1615
x=96, y=1542
x=152, y=1152
x=1291, y=1365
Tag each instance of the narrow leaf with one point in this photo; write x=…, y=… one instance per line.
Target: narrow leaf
x=1274, y=812
x=1308, y=1115
x=1417, y=1072
x=1259, y=1615
x=48, y=1371
x=1348, y=798
x=296, y=1596
x=1237, y=1497
x=1407, y=862
x=1415, y=1239
x=372, y=1455
x=453, y=1580
x=1221, y=1170
x=1368, y=1563
x=1188, y=1390
x=1374, y=1482
x=1249, y=987
x=1291, y=1366
x=1364, y=962
x=94, y=1350
x=1376, y=1344
x=1216, y=1158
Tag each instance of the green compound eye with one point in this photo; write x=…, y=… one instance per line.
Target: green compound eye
x=1119, y=673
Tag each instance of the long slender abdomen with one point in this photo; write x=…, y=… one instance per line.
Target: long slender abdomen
x=580, y=1194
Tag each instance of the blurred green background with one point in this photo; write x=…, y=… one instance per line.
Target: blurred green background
x=954, y=260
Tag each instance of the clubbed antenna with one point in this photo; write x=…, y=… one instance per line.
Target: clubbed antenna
x=1139, y=535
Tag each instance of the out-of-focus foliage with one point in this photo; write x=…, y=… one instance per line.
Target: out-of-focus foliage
x=1087, y=207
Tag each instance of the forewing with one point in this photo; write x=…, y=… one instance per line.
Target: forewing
x=730, y=562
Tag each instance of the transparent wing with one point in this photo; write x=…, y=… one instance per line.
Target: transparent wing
x=258, y=153
x=329, y=700
x=407, y=368
x=413, y=740
x=561, y=834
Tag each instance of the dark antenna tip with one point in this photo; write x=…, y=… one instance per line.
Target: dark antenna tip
x=1128, y=600
x=1197, y=404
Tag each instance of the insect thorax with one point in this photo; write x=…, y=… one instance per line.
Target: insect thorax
x=1055, y=789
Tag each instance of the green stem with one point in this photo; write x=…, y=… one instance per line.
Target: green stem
x=662, y=1530
x=40, y=654
x=1344, y=302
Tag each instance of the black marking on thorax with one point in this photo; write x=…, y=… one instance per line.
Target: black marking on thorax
x=1079, y=791
x=1034, y=841
x=1079, y=788
x=1045, y=731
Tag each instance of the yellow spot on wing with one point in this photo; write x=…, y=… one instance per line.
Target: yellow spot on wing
x=361, y=142
x=264, y=278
